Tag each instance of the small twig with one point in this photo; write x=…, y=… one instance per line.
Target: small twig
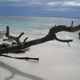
x=25, y=40
x=20, y=35
x=22, y=58
x=17, y=39
x=69, y=40
x=68, y=44
x=71, y=24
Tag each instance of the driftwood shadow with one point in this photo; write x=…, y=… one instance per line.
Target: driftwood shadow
x=14, y=72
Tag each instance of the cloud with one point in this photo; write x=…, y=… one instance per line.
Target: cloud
x=19, y=2
x=43, y=3
x=51, y=4
x=47, y=5
x=33, y=2
x=72, y=3
x=62, y=5
x=41, y=6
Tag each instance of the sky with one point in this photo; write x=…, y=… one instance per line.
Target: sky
x=51, y=8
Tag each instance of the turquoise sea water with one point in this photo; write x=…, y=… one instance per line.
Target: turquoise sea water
x=35, y=27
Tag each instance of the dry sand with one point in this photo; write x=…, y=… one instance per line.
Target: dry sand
x=57, y=62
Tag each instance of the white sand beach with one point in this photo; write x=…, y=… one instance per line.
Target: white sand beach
x=57, y=62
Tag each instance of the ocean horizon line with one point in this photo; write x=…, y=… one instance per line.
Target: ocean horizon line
x=40, y=16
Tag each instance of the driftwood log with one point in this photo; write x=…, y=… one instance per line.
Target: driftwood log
x=19, y=46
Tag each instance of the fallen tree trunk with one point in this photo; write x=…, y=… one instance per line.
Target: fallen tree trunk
x=50, y=36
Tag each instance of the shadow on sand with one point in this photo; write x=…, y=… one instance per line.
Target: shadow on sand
x=14, y=71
